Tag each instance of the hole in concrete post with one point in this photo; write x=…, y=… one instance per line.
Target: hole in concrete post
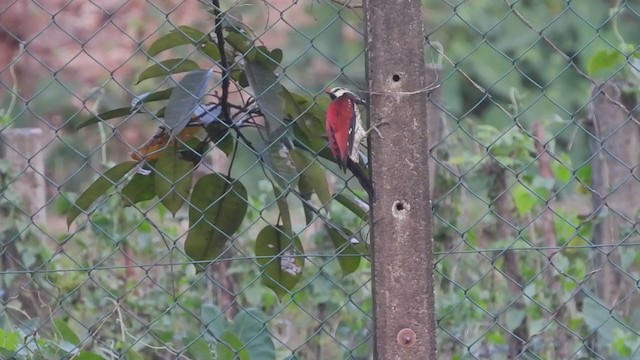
x=400, y=208
x=396, y=77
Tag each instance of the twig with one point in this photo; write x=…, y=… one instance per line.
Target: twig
x=233, y=158
x=246, y=141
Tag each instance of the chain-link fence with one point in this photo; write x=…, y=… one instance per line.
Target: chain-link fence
x=171, y=189
x=535, y=198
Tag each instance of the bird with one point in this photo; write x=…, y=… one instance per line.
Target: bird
x=345, y=132
x=202, y=116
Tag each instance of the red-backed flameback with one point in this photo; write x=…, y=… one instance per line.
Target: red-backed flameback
x=346, y=132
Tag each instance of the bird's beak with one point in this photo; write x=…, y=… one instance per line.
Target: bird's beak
x=327, y=91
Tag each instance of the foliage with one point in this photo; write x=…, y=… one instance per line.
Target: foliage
x=289, y=126
x=508, y=67
x=284, y=131
x=259, y=224
x=170, y=317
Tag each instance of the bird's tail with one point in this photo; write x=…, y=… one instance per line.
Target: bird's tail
x=363, y=179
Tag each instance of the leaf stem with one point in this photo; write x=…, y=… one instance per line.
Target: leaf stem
x=616, y=29
x=233, y=158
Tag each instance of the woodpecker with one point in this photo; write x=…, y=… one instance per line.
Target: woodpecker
x=345, y=131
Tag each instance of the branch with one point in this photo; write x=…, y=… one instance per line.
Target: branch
x=519, y=338
x=224, y=103
x=223, y=61
x=561, y=340
x=225, y=292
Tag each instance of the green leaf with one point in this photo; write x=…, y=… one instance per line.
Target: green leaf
x=9, y=340
x=280, y=260
x=312, y=173
x=66, y=332
x=271, y=59
x=561, y=263
x=198, y=348
x=275, y=154
x=167, y=67
x=139, y=188
x=182, y=35
x=239, y=41
x=232, y=21
x=214, y=321
x=107, y=115
x=316, y=108
x=185, y=98
x=315, y=145
x=561, y=170
x=604, y=60
x=348, y=256
x=356, y=206
x=292, y=108
x=239, y=76
x=87, y=355
x=542, y=185
x=212, y=52
x=231, y=348
x=280, y=165
x=598, y=318
x=138, y=101
x=312, y=180
x=621, y=345
x=193, y=149
x=598, y=314
x=283, y=208
x=249, y=325
x=513, y=318
x=98, y=188
x=524, y=200
x=130, y=354
x=185, y=35
x=218, y=207
x=219, y=135
x=308, y=123
x=306, y=191
x=307, y=111
x=494, y=338
x=266, y=87
x=276, y=56
x=585, y=175
x=267, y=91
x=173, y=179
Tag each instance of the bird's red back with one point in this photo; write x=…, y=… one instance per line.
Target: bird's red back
x=340, y=117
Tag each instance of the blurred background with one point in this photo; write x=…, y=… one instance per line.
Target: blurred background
x=535, y=195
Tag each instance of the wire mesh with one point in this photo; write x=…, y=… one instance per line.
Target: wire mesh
x=536, y=179
x=534, y=185
x=147, y=266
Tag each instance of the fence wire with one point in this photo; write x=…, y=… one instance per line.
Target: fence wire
x=244, y=239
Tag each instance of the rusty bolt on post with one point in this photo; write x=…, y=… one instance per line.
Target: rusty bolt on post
x=406, y=337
